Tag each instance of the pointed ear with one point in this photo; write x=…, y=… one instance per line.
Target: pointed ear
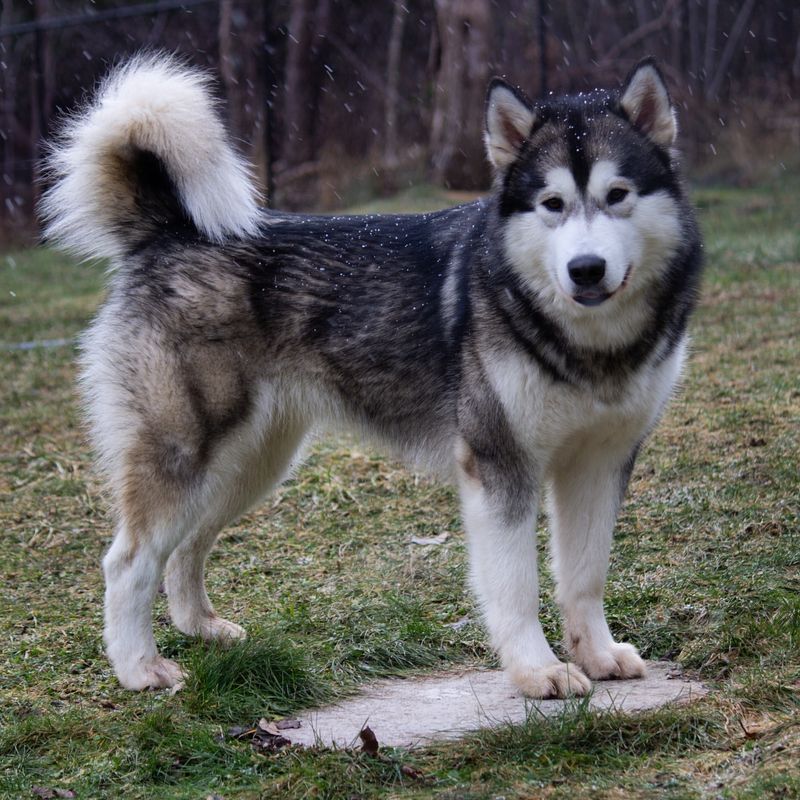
x=509, y=119
x=645, y=100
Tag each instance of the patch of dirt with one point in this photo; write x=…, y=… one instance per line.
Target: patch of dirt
x=410, y=712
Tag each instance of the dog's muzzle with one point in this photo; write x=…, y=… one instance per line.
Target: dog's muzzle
x=587, y=272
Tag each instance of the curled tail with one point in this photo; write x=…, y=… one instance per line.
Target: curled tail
x=149, y=152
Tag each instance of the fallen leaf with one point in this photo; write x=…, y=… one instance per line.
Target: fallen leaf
x=369, y=742
x=267, y=738
x=428, y=540
x=268, y=743
x=410, y=772
x=268, y=727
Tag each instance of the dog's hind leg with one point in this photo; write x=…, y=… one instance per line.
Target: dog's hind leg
x=151, y=525
x=585, y=497
x=246, y=469
x=189, y=605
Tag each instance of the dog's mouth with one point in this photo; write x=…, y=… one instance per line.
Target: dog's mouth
x=591, y=297
x=596, y=295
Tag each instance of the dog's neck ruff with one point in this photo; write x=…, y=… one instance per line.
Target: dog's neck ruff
x=548, y=343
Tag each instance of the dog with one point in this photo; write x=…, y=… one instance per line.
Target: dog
x=523, y=345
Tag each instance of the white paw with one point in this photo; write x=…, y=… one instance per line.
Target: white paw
x=216, y=629
x=157, y=673
x=615, y=661
x=553, y=681
x=209, y=627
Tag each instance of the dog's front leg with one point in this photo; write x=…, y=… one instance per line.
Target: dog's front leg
x=584, y=500
x=500, y=520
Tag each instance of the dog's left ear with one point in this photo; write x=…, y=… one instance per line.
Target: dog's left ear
x=645, y=99
x=509, y=119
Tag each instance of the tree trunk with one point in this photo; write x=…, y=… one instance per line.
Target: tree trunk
x=541, y=30
x=694, y=40
x=8, y=127
x=390, y=158
x=457, y=156
x=41, y=92
x=241, y=32
x=227, y=66
x=676, y=38
x=711, y=40
x=742, y=18
x=308, y=24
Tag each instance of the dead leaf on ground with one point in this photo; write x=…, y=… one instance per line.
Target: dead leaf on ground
x=430, y=540
x=268, y=727
x=369, y=742
x=410, y=772
x=267, y=738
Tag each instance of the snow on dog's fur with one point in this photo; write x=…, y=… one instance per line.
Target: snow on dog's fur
x=523, y=345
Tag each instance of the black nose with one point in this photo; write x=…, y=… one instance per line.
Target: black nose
x=586, y=270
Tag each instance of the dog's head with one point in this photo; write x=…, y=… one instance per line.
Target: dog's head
x=588, y=189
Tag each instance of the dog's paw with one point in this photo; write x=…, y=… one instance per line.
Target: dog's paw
x=157, y=673
x=552, y=681
x=209, y=627
x=616, y=661
x=216, y=629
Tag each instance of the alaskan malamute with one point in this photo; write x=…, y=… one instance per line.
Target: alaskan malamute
x=524, y=345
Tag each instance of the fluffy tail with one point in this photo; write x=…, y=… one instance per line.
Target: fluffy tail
x=150, y=151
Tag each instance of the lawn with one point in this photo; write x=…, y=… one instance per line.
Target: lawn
x=706, y=572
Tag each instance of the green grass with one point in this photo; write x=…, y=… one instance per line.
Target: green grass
x=262, y=676
x=706, y=571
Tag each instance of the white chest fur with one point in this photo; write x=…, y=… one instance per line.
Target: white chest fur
x=556, y=421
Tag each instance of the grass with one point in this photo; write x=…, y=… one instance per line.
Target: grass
x=263, y=675
x=706, y=571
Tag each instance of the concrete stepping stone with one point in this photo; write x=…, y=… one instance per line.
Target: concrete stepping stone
x=414, y=711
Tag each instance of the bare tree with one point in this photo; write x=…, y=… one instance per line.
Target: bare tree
x=676, y=37
x=694, y=40
x=241, y=32
x=734, y=37
x=642, y=32
x=392, y=84
x=227, y=69
x=541, y=31
x=9, y=109
x=711, y=38
x=41, y=87
x=308, y=25
x=457, y=123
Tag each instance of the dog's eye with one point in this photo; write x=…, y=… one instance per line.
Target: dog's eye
x=554, y=204
x=616, y=196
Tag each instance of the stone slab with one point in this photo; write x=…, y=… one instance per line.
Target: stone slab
x=413, y=711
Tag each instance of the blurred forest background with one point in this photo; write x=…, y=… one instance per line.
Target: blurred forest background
x=336, y=101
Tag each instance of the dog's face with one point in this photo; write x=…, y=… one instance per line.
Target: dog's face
x=587, y=189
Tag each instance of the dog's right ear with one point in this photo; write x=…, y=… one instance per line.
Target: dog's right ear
x=509, y=119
